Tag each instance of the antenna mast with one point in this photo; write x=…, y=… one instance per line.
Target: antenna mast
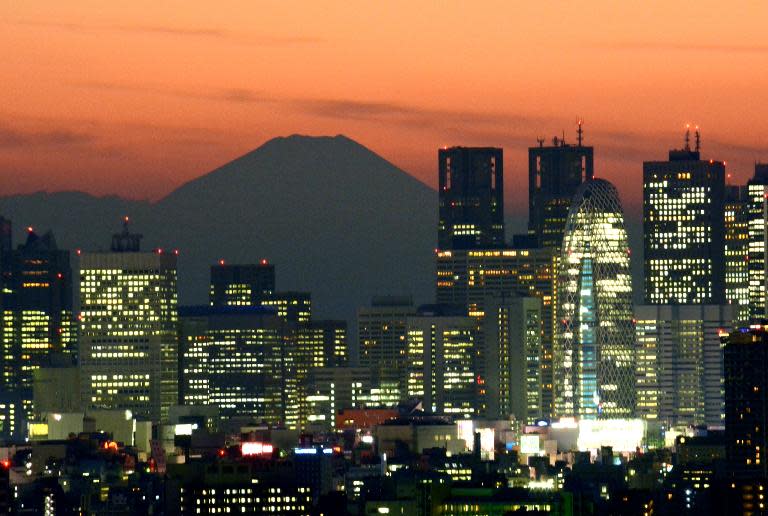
x=698, y=139
x=688, y=137
x=580, y=133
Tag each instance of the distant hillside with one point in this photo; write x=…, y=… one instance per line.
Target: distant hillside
x=335, y=218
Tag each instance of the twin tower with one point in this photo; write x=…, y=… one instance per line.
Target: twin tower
x=587, y=365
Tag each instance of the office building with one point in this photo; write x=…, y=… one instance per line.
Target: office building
x=319, y=345
x=128, y=325
x=441, y=360
x=471, y=198
x=294, y=307
x=594, y=362
x=241, y=359
x=472, y=277
x=554, y=174
x=241, y=285
x=381, y=330
x=746, y=406
x=38, y=318
x=683, y=229
x=512, y=355
x=332, y=389
x=736, y=253
x=679, y=363
x=757, y=216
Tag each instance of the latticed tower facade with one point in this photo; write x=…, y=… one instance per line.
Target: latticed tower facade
x=594, y=361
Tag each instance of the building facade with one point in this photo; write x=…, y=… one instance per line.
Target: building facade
x=241, y=285
x=441, y=361
x=746, y=408
x=39, y=324
x=128, y=329
x=512, y=354
x=679, y=362
x=757, y=216
x=382, y=330
x=241, y=359
x=473, y=277
x=554, y=174
x=594, y=358
x=683, y=229
x=471, y=198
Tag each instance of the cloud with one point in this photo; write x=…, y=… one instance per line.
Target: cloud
x=403, y=114
x=682, y=47
x=11, y=138
x=200, y=32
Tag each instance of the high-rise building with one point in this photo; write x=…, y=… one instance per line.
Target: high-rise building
x=680, y=364
x=332, y=389
x=128, y=332
x=683, y=229
x=554, y=174
x=38, y=316
x=512, y=355
x=241, y=285
x=381, y=330
x=746, y=406
x=472, y=277
x=471, y=197
x=242, y=359
x=737, y=250
x=594, y=362
x=319, y=345
x=295, y=307
x=758, y=241
x=442, y=358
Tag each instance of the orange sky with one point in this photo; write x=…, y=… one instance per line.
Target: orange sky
x=137, y=97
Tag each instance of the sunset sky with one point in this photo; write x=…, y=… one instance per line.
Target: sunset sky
x=138, y=97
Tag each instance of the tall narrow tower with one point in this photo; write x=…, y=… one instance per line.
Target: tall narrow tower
x=129, y=343
x=471, y=196
x=684, y=228
x=554, y=174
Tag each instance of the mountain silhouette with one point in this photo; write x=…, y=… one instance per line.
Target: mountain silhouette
x=335, y=218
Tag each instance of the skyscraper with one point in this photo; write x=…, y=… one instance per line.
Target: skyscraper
x=241, y=359
x=39, y=321
x=241, y=285
x=758, y=241
x=680, y=363
x=512, y=355
x=736, y=253
x=683, y=228
x=441, y=360
x=471, y=198
x=128, y=345
x=554, y=174
x=473, y=277
x=381, y=330
x=746, y=407
x=594, y=363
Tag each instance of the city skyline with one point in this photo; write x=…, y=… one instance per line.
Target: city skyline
x=141, y=126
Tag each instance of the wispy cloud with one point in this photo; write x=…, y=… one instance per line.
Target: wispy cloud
x=12, y=138
x=263, y=40
x=656, y=46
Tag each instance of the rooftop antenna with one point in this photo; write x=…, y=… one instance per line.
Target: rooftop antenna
x=580, y=133
x=562, y=142
x=541, y=141
x=688, y=137
x=698, y=139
